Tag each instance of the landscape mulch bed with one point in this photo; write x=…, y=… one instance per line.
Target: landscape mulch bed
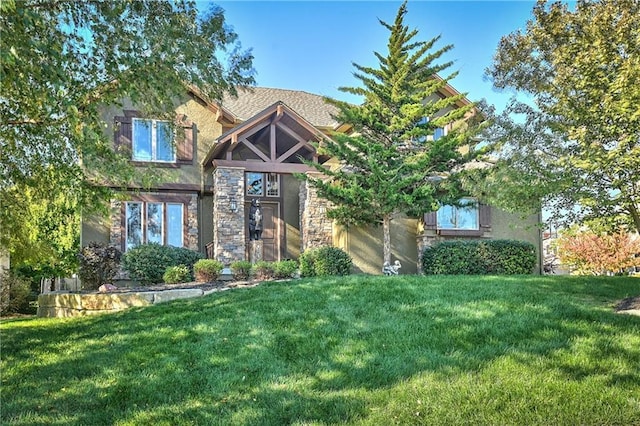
x=628, y=304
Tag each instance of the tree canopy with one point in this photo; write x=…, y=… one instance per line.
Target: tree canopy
x=62, y=61
x=576, y=144
x=391, y=163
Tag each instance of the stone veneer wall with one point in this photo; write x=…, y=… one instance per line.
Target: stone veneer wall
x=228, y=226
x=315, y=226
x=191, y=237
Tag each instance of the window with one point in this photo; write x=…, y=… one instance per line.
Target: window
x=152, y=141
x=160, y=223
x=465, y=216
x=437, y=133
x=256, y=183
x=273, y=185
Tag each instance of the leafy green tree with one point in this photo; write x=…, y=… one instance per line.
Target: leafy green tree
x=63, y=61
x=575, y=144
x=391, y=163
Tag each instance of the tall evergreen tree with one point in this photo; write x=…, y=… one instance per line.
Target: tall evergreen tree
x=391, y=163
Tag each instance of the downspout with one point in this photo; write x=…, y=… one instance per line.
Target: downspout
x=201, y=243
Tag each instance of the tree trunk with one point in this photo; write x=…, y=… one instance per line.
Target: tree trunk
x=635, y=215
x=386, y=239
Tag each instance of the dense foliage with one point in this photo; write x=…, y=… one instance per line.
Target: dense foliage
x=284, y=269
x=14, y=293
x=392, y=162
x=148, y=262
x=207, y=270
x=324, y=261
x=591, y=253
x=479, y=257
x=177, y=274
x=241, y=269
x=61, y=63
x=575, y=143
x=98, y=264
x=263, y=270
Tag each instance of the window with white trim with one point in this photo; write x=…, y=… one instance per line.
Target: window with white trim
x=147, y=222
x=152, y=141
x=464, y=216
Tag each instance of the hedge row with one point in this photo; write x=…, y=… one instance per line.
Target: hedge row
x=479, y=257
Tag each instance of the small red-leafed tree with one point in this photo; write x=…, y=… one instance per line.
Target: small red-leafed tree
x=590, y=253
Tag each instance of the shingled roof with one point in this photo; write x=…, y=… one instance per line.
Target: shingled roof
x=251, y=101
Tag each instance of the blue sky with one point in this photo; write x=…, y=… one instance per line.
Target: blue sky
x=310, y=45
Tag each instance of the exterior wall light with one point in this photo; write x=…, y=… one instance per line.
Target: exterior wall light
x=233, y=205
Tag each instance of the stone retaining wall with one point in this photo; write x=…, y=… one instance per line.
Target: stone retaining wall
x=60, y=305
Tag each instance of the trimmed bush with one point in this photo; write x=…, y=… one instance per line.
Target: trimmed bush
x=325, y=261
x=241, y=270
x=98, y=264
x=285, y=269
x=264, y=270
x=148, y=262
x=177, y=274
x=207, y=270
x=14, y=294
x=479, y=257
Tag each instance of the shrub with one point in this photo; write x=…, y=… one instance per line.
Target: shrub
x=207, y=270
x=264, y=270
x=177, y=274
x=14, y=294
x=591, y=253
x=98, y=264
x=285, y=269
x=148, y=262
x=184, y=256
x=479, y=257
x=325, y=261
x=241, y=270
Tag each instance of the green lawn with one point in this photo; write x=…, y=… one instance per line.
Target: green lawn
x=353, y=350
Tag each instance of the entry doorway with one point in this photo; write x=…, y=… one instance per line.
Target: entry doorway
x=271, y=230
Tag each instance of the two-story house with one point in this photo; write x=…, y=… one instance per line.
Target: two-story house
x=248, y=148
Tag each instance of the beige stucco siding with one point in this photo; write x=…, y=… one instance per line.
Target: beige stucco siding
x=364, y=245
x=208, y=130
x=291, y=216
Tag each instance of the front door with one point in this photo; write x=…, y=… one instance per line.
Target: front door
x=270, y=230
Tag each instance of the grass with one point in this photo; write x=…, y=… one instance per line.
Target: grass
x=352, y=350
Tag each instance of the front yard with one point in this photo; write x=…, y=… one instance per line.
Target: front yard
x=351, y=350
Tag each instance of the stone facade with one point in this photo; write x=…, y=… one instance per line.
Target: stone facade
x=228, y=226
x=316, y=228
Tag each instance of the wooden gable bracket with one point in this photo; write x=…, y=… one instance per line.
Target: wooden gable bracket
x=279, y=114
x=235, y=140
x=253, y=148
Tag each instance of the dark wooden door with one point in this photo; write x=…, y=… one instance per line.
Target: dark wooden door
x=270, y=230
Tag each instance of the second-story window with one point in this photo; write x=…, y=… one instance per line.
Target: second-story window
x=152, y=141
